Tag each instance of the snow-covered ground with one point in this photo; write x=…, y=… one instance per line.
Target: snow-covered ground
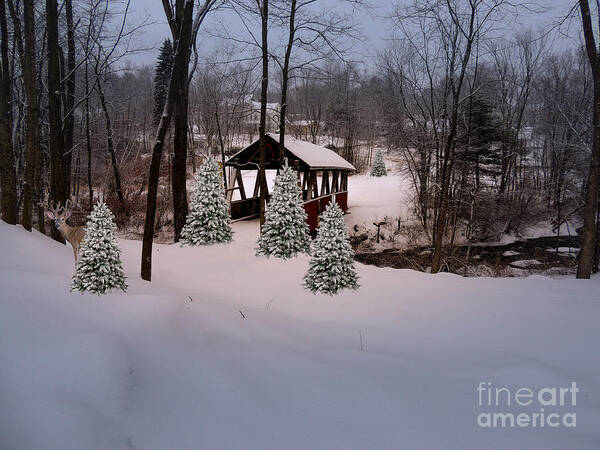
x=372, y=199
x=224, y=350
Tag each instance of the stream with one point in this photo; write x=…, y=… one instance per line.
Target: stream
x=547, y=254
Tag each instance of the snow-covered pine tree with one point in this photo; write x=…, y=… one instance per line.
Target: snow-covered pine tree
x=162, y=76
x=99, y=268
x=208, y=220
x=331, y=266
x=285, y=232
x=378, y=168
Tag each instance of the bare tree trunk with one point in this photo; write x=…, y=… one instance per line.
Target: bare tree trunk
x=596, y=260
x=180, y=113
x=88, y=138
x=69, y=124
x=181, y=59
x=182, y=80
x=263, y=110
x=56, y=141
x=440, y=224
x=8, y=202
x=109, y=142
x=222, y=146
x=448, y=155
x=191, y=133
x=584, y=269
x=284, y=82
x=42, y=166
x=179, y=165
x=32, y=132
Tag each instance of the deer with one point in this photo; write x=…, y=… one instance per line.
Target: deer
x=59, y=214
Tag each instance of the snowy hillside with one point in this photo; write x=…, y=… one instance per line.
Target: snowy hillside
x=224, y=350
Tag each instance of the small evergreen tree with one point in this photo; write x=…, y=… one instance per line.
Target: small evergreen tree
x=208, y=221
x=331, y=267
x=378, y=168
x=99, y=268
x=285, y=232
x=162, y=76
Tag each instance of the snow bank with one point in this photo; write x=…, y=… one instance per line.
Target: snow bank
x=526, y=263
x=153, y=369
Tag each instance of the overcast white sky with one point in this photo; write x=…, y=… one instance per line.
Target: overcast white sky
x=373, y=23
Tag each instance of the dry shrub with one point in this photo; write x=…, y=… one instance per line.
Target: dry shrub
x=508, y=213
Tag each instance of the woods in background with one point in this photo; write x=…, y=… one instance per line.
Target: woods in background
x=494, y=129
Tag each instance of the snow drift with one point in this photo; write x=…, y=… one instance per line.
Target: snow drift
x=224, y=350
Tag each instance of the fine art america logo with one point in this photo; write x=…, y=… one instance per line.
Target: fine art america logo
x=546, y=407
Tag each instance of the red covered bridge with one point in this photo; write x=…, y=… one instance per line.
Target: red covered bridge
x=322, y=174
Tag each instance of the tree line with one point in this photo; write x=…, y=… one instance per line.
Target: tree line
x=492, y=128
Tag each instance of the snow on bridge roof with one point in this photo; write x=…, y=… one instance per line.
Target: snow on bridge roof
x=314, y=156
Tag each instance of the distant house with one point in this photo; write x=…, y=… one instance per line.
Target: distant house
x=305, y=129
x=250, y=112
x=322, y=174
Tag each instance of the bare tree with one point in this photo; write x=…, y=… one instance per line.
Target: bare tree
x=591, y=200
x=7, y=163
x=317, y=34
x=69, y=95
x=264, y=88
x=285, y=73
x=109, y=139
x=454, y=28
x=309, y=101
x=515, y=65
x=32, y=138
x=187, y=26
x=220, y=91
x=56, y=141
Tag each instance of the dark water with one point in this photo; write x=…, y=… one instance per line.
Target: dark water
x=542, y=249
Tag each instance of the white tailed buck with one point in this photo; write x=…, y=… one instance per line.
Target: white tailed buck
x=59, y=214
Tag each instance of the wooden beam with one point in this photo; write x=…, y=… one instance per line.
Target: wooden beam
x=238, y=177
x=335, y=184
x=313, y=186
x=254, y=155
x=344, y=184
x=298, y=180
x=266, y=188
x=231, y=184
x=256, y=185
x=308, y=177
x=325, y=183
